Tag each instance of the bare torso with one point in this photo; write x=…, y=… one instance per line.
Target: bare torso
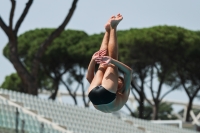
x=107, y=76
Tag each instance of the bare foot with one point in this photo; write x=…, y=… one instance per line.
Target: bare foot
x=107, y=25
x=115, y=21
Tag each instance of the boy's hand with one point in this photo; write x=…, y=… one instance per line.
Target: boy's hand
x=99, y=53
x=105, y=60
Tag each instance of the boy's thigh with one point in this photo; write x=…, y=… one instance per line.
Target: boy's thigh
x=110, y=78
x=97, y=80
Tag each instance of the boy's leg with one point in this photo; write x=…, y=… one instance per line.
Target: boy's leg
x=105, y=41
x=97, y=80
x=112, y=45
x=110, y=79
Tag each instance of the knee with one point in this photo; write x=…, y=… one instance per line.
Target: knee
x=102, y=68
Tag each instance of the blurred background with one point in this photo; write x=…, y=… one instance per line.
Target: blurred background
x=47, y=45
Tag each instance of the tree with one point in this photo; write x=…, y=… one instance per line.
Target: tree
x=57, y=61
x=151, y=55
x=13, y=82
x=139, y=63
x=165, y=112
x=187, y=68
x=29, y=77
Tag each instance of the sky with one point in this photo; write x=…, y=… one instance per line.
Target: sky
x=91, y=15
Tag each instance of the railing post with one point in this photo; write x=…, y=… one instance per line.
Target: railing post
x=23, y=124
x=42, y=128
x=17, y=120
x=197, y=128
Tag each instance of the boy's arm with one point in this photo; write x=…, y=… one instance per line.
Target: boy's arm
x=91, y=69
x=91, y=66
x=127, y=76
x=122, y=98
x=126, y=69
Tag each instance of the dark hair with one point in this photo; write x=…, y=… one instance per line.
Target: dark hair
x=122, y=79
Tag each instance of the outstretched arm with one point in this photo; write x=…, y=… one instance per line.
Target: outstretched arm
x=123, y=96
x=124, y=68
x=127, y=76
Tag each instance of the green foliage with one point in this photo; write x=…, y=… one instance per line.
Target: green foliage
x=61, y=50
x=165, y=50
x=162, y=45
x=87, y=47
x=165, y=112
x=169, y=48
x=155, y=41
x=60, y=55
x=12, y=82
x=57, y=58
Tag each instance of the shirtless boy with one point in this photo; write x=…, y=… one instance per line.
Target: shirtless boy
x=108, y=91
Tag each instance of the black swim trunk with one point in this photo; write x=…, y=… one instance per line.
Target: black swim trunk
x=99, y=95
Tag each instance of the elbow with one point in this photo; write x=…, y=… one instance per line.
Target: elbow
x=89, y=79
x=130, y=71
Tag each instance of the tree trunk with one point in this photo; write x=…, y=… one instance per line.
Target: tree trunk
x=155, y=110
x=131, y=112
x=70, y=93
x=189, y=107
x=197, y=128
x=30, y=83
x=54, y=94
x=83, y=95
x=29, y=79
x=74, y=98
x=141, y=106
